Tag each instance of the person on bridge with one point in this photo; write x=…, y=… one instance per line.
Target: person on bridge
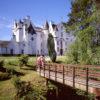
x=40, y=62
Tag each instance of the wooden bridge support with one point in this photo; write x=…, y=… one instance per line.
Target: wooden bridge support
x=87, y=79
x=63, y=75
x=55, y=73
x=47, y=82
x=73, y=77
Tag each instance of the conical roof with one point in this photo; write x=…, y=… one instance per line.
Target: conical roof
x=46, y=25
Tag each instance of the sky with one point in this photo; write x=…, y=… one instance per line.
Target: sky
x=38, y=10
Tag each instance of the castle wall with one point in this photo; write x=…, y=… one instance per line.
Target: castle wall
x=39, y=43
x=24, y=41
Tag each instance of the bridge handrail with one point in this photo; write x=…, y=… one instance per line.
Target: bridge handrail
x=75, y=65
x=75, y=71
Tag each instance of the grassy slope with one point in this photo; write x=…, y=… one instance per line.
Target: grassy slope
x=7, y=90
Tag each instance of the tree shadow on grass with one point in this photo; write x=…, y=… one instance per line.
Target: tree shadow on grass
x=59, y=62
x=19, y=73
x=4, y=76
x=2, y=69
x=29, y=67
x=8, y=75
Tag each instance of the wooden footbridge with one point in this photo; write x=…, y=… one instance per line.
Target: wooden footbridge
x=84, y=77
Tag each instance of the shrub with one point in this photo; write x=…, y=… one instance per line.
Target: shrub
x=13, y=63
x=23, y=60
x=2, y=69
x=1, y=63
x=11, y=70
x=27, y=91
x=23, y=89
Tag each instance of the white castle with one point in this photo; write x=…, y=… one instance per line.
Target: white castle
x=32, y=40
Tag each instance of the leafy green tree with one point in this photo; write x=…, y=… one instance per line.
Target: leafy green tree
x=51, y=47
x=83, y=22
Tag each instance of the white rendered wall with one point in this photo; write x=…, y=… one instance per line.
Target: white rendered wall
x=39, y=43
x=45, y=38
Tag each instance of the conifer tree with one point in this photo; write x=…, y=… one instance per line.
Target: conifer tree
x=51, y=47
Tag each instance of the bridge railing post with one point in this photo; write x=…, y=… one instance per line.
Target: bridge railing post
x=87, y=79
x=73, y=76
x=55, y=72
x=63, y=75
x=49, y=71
x=44, y=70
x=40, y=69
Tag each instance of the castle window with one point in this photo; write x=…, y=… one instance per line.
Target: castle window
x=23, y=44
x=32, y=38
x=32, y=33
x=41, y=35
x=41, y=51
x=67, y=38
x=65, y=43
x=58, y=49
x=61, y=34
x=61, y=27
x=11, y=52
x=22, y=51
x=41, y=44
x=57, y=42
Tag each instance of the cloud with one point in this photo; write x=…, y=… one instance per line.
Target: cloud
x=8, y=26
x=4, y=23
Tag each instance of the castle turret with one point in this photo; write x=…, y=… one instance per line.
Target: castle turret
x=18, y=30
x=46, y=26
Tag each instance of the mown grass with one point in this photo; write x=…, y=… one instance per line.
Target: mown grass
x=61, y=59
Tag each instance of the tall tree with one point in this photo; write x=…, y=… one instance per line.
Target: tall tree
x=82, y=22
x=51, y=47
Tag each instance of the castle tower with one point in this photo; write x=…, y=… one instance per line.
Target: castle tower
x=18, y=31
x=29, y=36
x=45, y=37
x=17, y=36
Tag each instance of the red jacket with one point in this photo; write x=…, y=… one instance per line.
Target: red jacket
x=40, y=61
